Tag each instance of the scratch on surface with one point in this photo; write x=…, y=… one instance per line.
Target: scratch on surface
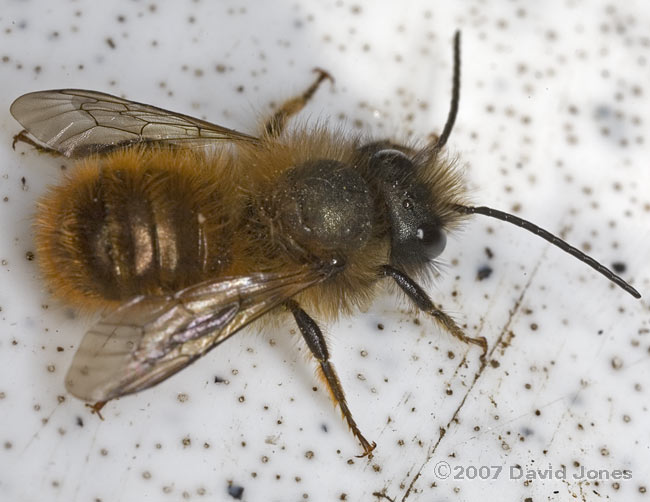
x=501, y=343
x=404, y=400
x=572, y=397
x=44, y=423
x=86, y=462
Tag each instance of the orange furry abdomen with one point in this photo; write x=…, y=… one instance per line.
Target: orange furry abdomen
x=135, y=222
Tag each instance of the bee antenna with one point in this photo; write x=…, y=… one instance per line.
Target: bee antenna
x=455, y=98
x=556, y=241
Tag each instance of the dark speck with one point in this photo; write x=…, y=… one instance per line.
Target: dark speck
x=484, y=272
x=218, y=379
x=489, y=253
x=619, y=267
x=235, y=491
x=324, y=427
x=80, y=421
x=110, y=43
x=380, y=326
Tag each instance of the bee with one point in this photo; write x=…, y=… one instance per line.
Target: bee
x=183, y=232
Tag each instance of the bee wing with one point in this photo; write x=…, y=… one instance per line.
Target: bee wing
x=148, y=339
x=78, y=123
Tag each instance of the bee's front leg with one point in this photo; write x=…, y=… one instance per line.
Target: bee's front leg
x=417, y=295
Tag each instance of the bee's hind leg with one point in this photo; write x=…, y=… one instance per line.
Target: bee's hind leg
x=318, y=347
x=23, y=137
x=417, y=295
x=276, y=124
x=97, y=408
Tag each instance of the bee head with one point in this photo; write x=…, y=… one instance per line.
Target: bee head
x=416, y=231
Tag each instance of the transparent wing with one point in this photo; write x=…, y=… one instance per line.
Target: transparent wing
x=77, y=123
x=149, y=338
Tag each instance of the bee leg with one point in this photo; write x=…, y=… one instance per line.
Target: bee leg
x=96, y=408
x=23, y=137
x=278, y=121
x=318, y=347
x=417, y=295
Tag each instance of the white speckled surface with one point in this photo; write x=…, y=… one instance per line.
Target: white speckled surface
x=553, y=125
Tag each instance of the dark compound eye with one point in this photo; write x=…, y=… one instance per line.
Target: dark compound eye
x=433, y=239
x=416, y=236
x=393, y=160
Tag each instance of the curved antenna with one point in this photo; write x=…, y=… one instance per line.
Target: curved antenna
x=455, y=97
x=556, y=241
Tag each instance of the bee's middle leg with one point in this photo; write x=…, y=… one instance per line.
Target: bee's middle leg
x=276, y=124
x=318, y=347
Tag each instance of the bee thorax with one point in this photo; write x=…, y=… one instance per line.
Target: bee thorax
x=325, y=205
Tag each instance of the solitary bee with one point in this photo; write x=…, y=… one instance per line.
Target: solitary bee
x=183, y=231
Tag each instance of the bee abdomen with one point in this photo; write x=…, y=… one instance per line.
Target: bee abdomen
x=132, y=224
